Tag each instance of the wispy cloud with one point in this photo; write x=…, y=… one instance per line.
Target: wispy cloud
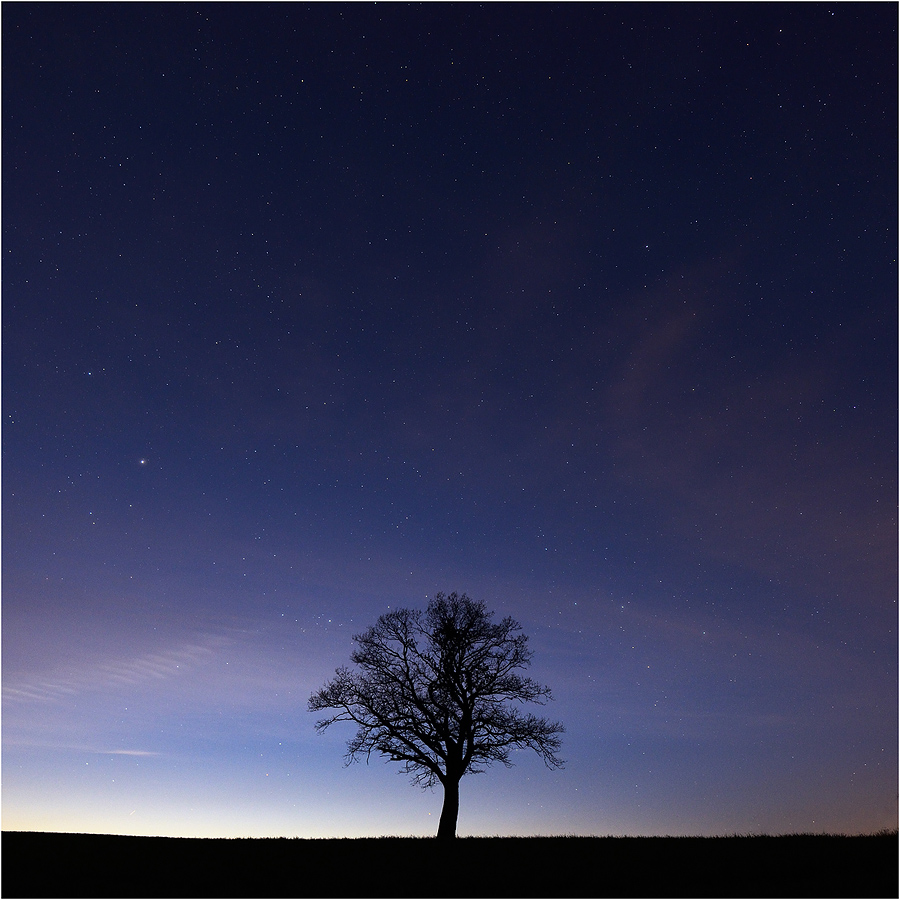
x=127, y=752
x=63, y=684
x=47, y=744
x=758, y=471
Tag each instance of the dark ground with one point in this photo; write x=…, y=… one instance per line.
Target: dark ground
x=83, y=865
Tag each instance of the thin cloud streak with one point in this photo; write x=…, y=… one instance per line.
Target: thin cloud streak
x=36, y=744
x=127, y=753
x=178, y=661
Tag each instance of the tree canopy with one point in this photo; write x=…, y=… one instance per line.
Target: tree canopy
x=433, y=691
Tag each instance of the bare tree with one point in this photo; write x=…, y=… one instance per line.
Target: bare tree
x=431, y=691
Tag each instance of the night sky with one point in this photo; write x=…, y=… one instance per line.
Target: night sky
x=313, y=311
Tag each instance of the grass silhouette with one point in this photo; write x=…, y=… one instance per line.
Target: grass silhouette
x=799, y=865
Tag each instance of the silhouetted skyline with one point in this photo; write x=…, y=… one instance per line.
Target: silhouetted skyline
x=587, y=311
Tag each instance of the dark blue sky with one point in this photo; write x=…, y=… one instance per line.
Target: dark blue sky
x=588, y=311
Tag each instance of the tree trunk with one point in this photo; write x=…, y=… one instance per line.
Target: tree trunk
x=450, y=810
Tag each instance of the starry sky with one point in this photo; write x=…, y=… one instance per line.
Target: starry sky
x=313, y=311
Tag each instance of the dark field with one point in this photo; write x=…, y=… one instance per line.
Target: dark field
x=83, y=865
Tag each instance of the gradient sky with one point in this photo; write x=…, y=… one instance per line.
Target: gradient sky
x=312, y=311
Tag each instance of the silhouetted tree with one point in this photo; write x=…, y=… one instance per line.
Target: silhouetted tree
x=430, y=692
